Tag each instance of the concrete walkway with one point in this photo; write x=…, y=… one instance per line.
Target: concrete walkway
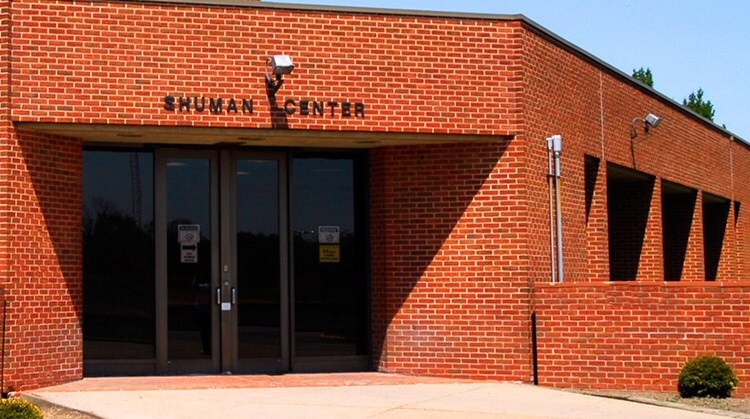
x=327, y=396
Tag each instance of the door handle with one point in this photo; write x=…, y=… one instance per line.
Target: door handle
x=218, y=296
x=234, y=295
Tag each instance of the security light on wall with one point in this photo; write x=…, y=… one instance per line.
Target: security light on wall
x=278, y=65
x=650, y=121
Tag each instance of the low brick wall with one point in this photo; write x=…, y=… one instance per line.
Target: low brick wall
x=638, y=335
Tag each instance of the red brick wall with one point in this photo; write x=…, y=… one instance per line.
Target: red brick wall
x=40, y=238
x=450, y=295
x=460, y=233
x=593, y=109
x=99, y=62
x=112, y=63
x=597, y=241
x=561, y=97
x=638, y=335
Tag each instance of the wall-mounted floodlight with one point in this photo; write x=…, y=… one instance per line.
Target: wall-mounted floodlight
x=650, y=121
x=278, y=65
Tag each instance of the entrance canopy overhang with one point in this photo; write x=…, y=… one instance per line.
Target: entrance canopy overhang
x=150, y=134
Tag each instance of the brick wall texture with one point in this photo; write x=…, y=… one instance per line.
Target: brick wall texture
x=460, y=250
x=40, y=238
x=638, y=335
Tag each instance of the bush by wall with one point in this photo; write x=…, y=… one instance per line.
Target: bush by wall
x=706, y=376
x=19, y=409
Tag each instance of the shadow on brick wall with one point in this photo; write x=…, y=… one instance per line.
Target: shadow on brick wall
x=44, y=260
x=432, y=209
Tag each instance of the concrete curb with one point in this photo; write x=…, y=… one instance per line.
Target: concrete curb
x=44, y=404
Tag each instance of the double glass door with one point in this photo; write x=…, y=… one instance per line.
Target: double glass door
x=223, y=265
x=207, y=261
x=235, y=290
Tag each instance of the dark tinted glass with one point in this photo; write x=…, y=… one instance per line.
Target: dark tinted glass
x=189, y=287
x=118, y=255
x=258, y=283
x=329, y=267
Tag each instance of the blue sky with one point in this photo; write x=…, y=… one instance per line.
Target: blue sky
x=687, y=43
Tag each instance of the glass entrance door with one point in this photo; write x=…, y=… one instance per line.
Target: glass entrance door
x=254, y=263
x=187, y=260
x=220, y=271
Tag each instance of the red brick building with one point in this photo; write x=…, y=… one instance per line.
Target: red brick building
x=389, y=208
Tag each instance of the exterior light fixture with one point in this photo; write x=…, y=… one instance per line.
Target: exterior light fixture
x=278, y=66
x=650, y=121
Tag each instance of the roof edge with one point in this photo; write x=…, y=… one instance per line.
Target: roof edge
x=609, y=68
x=340, y=9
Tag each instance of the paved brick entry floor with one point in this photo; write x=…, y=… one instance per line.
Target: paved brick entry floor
x=198, y=382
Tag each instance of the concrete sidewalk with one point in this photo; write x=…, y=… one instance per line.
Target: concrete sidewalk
x=338, y=396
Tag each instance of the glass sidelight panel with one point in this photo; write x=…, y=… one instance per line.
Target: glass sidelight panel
x=118, y=256
x=189, y=259
x=258, y=259
x=330, y=314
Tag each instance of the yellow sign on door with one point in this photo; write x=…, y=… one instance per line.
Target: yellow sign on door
x=330, y=253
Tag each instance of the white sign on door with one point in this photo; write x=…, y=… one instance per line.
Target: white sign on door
x=189, y=253
x=188, y=233
x=328, y=234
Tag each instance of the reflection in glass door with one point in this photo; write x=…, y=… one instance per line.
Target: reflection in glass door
x=220, y=257
x=118, y=262
x=329, y=286
x=254, y=263
x=186, y=280
x=259, y=334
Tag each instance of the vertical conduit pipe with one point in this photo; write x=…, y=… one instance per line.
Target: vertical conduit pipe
x=560, y=276
x=554, y=150
x=550, y=184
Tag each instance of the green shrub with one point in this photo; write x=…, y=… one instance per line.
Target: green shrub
x=706, y=376
x=19, y=409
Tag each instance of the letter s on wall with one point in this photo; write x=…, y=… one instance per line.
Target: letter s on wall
x=169, y=103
